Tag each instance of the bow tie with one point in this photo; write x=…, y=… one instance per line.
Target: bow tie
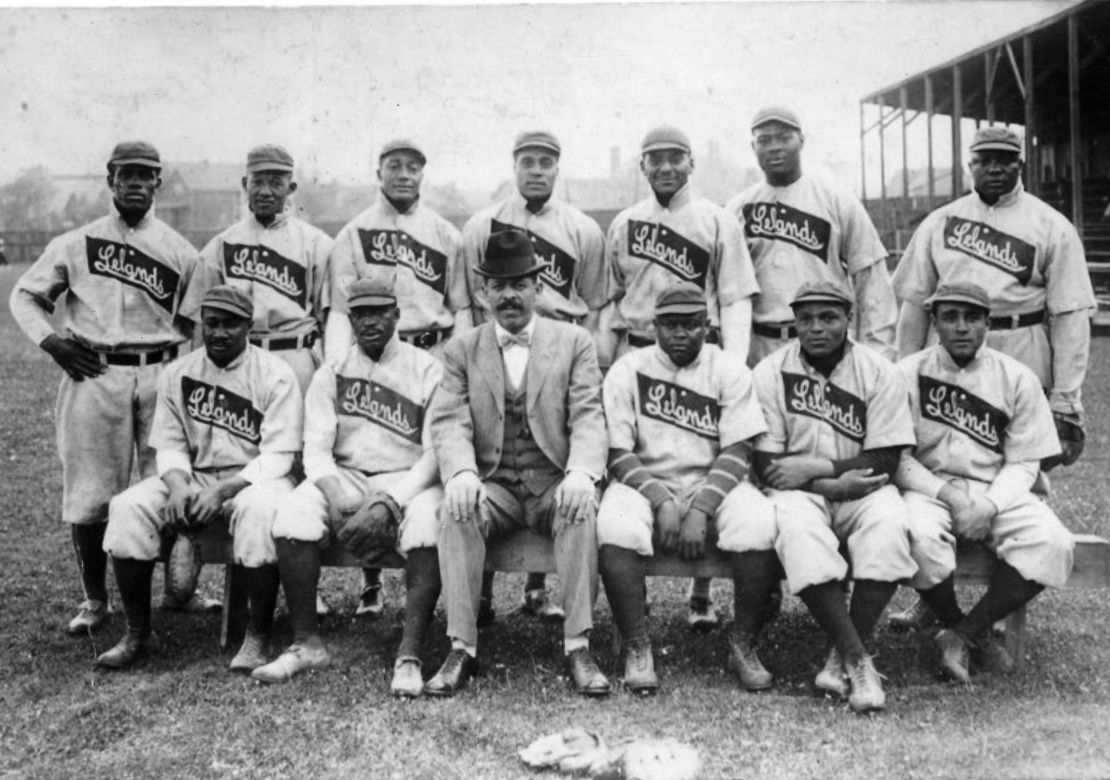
x=509, y=339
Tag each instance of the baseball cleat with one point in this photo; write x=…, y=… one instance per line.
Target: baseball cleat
x=407, y=680
x=702, y=615
x=913, y=618
x=639, y=669
x=832, y=678
x=537, y=605
x=867, y=686
x=297, y=658
x=486, y=614
x=91, y=616
x=370, y=603
x=745, y=664
x=196, y=604
x=128, y=650
x=989, y=656
x=954, y=654
x=251, y=655
x=457, y=669
x=584, y=673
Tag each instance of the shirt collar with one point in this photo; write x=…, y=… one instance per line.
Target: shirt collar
x=141, y=223
x=678, y=200
x=234, y=364
x=387, y=204
x=1009, y=199
x=279, y=220
x=529, y=329
x=389, y=351
x=522, y=204
x=948, y=364
x=665, y=359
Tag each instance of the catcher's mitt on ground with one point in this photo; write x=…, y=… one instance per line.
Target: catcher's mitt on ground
x=576, y=751
x=370, y=531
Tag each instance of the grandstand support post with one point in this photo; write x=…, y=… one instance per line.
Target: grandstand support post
x=929, y=108
x=957, y=142
x=902, y=100
x=1073, y=124
x=1032, y=163
x=862, y=154
x=882, y=162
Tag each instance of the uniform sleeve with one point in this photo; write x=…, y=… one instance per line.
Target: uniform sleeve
x=342, y=266
x=592, y=279
x=167, y=429
x=614, y=243
x=207, y=274
x=741, y=414
x=618, y=396
x=860, y=245
x=320, y=425
x=734, y=270
x=1067, y=281
x=915, y=278
x=321, y=277
x=889, y=423
x=424, y=473
x=876, y=309
x=458, y=286
x=765, y=380
x=1031, y=435
x=32, y=300
x=475, y=235
x=283, y=416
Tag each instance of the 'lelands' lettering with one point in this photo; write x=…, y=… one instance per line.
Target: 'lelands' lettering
x=380, y=405
x=955, y=407
x=215, y=406
x=678, y=406
x=846, y=413
x=261, y=264
x=663, y=246
x=779, y=222
x=130, y=266
x=991, y=246
x=396, y=247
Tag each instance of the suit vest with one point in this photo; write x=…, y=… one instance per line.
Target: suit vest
x=522, y=460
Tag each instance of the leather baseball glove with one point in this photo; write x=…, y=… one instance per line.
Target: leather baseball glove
x=1069, y=429
x=371, y=530
x=183, y=566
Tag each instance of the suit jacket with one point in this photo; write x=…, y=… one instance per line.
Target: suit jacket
x=563, y=401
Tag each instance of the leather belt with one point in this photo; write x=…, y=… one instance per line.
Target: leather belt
x=782, y=331
x=291, y=342
x=1015, y=321
x=636, y=340
x=426, y=339
x=139, y=358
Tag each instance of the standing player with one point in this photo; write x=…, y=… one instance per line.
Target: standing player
x=668, y=238
x=800, y=228
x=1030, y=260
x=682, y=419
x=837, y=419
x=366, y=443
x=402, y=242
x=121, y=280
x=226, y=429
x=571, y=247
x=983, y=427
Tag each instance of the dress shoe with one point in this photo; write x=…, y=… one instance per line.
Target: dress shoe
x=584, y=672
x=832, y=678
x=701, y=615
x=990, y=657
x=537, y=604
x=128, y=650
x=457, y=669
x=407, y=680
x=745, y=663
x=867, y=686
x=251, y=655
x=914, y=617
x=297, y=658
x=639, y=669
x=954, y=654
x=370, y=603
x=486, y=614
x=323, y=608
x=91, y=616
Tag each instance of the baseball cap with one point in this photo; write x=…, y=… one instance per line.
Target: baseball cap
x=371, y=292
x=959, y=292
x=135, y=153
x=537, y=139
x=823, y=291
x=780, y=114
x=269, y=157
x=665, y=137
x=230, y=299
x=680, y=299
x=402, y=145
x=1000, y=139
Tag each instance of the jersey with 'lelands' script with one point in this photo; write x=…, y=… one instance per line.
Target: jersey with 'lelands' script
x=677, y=419
x=225, y=417
x=861, y=406
x=652, y=247
x=417, y=250
x=569, y=244
x=804, y=232
x=367, y=415
x=281, y=266
x=1023, y=252
x=972, y=420
x=123, y=286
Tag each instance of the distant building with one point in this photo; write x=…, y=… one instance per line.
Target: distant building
x=201, y=197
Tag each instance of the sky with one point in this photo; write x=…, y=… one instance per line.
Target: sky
x=333, y=84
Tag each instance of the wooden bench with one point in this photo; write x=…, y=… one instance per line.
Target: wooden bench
x=523, y=551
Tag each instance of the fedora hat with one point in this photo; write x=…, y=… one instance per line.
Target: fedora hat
x=509, y=255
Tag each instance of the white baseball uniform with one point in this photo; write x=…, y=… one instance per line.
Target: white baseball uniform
x=365, y=423
x=283, y=268
x=676, y=420
x=244, y=419
x=570, y=245
x=971, y=422
x=1029, y=259
x=652, y=247
x=122, y=290
x=808, y=231
x=860, y=406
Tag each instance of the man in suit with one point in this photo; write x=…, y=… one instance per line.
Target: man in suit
x=519, y=433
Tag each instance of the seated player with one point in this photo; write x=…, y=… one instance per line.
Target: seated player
x=227, y=425
x=837, y=422
x=365, y=446
x=682, y=417
x=983, y=426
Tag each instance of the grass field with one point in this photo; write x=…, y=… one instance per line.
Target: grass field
x=181, y=714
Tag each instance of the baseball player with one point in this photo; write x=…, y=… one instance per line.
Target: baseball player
x=571, y=247
x=365, y=444
x=673, y=237
x=837, y=422
x=983, y=426
x=401, y=241
x=800, y=228
x=120, y=280
x=226, y=429
x=1030, y=260
x=682, y=419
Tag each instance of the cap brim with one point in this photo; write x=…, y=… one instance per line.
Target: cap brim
x=230, y=308
x=146, y=163
x=931, y=303
x=538, y=145
x=779, y=119
x=371, y=301
x=995, y=146
x=415, y=152
x=662, y=146
x=269, y=166
x=820, y=299
x=681, y=308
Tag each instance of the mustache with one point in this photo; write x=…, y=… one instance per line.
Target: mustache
x=509, y=305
